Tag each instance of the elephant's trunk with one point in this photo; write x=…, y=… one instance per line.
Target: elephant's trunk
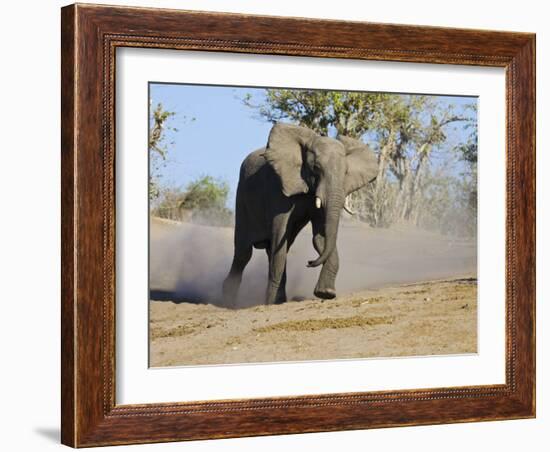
x=333, y=208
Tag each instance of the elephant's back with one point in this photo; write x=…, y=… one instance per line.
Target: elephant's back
x=256, y=174
x=253, y=163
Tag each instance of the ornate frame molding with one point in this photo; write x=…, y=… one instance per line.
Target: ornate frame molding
x=90, y=37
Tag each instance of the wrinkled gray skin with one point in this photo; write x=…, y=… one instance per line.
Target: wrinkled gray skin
x=276, y=198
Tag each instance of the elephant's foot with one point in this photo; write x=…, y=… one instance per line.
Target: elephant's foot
x=275, y=298
x=276, y=292
x=325, y=293
x=278, y=299
x=230, y=289
x=229, y=302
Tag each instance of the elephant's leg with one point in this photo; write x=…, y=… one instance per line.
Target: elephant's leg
x=233, y=280
x=325, y=287
x=281, y=292
x=276, y=281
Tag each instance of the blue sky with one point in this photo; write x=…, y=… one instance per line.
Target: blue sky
x=216, y=131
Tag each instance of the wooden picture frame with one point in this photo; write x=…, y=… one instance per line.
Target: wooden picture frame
x=90, y=36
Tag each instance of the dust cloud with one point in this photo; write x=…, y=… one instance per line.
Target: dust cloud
x=189, y=262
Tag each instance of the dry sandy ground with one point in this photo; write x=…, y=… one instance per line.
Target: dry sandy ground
x=382, y=307
x=437, y=317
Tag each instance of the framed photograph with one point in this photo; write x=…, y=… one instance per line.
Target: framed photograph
x=282, y=225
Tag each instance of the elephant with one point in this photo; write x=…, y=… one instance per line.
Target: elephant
x=297, y=178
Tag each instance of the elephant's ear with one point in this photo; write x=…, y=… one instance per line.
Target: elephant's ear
x=362, y=164
x=284, y=154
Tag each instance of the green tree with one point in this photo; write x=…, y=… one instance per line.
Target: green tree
x=468, y=154
x=205, y=193
x=345, y=113
x=158, y=148
x=202, y=201
x=414, y=127
x=468, y=149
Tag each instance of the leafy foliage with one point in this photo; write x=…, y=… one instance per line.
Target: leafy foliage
x=346, y=113
x=469, y=148
x=205, y=192
x=158, y=148
x=202, y=201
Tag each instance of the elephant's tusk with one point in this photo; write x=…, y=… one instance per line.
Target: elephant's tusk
x=318, y=202
x=347, y=208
